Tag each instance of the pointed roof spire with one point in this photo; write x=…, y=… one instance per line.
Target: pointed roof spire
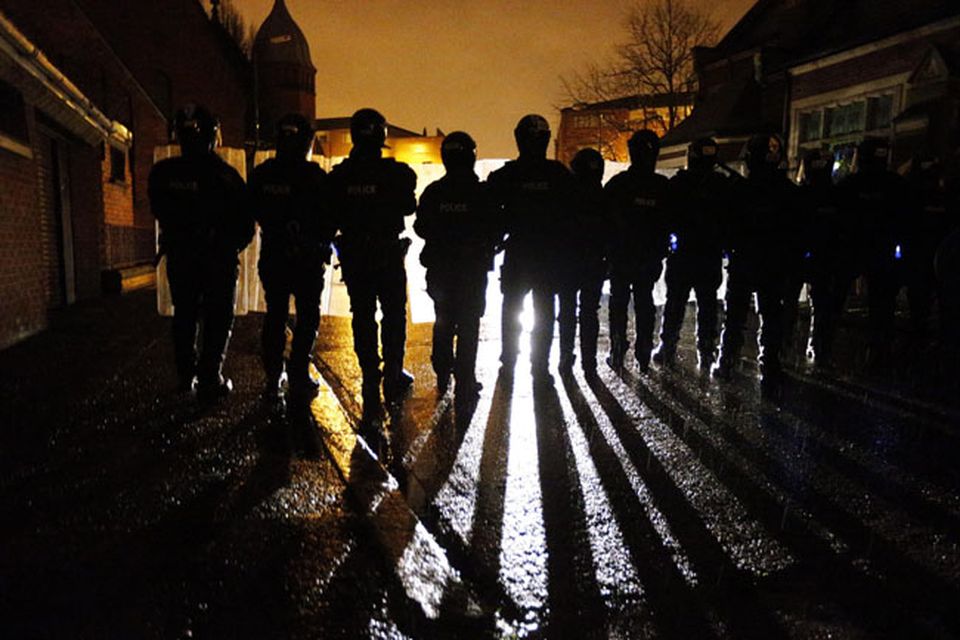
x=281, y=40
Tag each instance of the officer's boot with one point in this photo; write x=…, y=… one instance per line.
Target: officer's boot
x=729, y=356
x=468, y=388
x=666, y=355
x=303, y=383
x=396, y=382
x=618, y=351
x=567, y=322
x=185, y=352
x=370, y=393
x=705, y=360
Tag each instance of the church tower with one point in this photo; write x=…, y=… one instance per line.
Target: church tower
x=284, y=73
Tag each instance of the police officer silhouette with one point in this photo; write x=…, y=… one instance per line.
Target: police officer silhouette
x=535, y=196
x=762, y=226
x=585, y=264
x=289, y=198
x=638, y=201
x=461, y=227
x=199, y=203
x=829, y=263
x=700, y=198
x=371, y=195
x=879, y=201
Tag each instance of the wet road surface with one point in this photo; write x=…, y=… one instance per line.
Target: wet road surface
x=623, y=505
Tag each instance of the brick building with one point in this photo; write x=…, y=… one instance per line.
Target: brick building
x=827, y=74
x=333, y=137
x=86, y=91
x=607, y=125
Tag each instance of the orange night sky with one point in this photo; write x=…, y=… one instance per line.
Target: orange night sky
x=456, y=64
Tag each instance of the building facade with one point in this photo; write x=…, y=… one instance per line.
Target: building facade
x=606, y=126
x=87, y=88
x=826, y=75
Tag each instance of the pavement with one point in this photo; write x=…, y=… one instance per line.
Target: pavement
x=627, y=505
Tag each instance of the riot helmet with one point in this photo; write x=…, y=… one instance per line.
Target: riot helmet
x=294, y=137
x=644, y=147
x=816, y=168
x=459, y=152
x=763, y=155
x=532, y=134
x=196, y=130
x=368, y=129
x=702, y=154
x=873, y=156
x=587, y=165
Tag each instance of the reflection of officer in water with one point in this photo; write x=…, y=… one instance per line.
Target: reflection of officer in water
x=535, y=194
x=700, y=198
x=198, y=200
x=761, y=228
x=878, y=199
x=371, y=196
x=288, y=195
x=585, y=266
x=457, y=220
x=638, y=201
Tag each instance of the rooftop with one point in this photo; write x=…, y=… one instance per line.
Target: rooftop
x=281, y=40
x=807, y=29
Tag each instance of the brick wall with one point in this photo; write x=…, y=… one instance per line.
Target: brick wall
x=23, y=273
x=902, y=58
x=179, y=56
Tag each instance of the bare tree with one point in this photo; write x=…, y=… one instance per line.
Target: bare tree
x=234, y=24
x=656, y=57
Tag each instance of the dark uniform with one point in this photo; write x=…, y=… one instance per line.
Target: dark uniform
x=637, y=199
x=699, y=200
x=947, y=267
x=585, y=265
x=535, y=195
x=879, y=201
x=198, y=200
x=289, y=199
x=762, y=227
x=929, y=228
x=461, y=227
x=371, y=195
x=829, y=257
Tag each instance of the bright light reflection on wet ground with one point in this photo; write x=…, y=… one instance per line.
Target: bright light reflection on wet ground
x=523, y=563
